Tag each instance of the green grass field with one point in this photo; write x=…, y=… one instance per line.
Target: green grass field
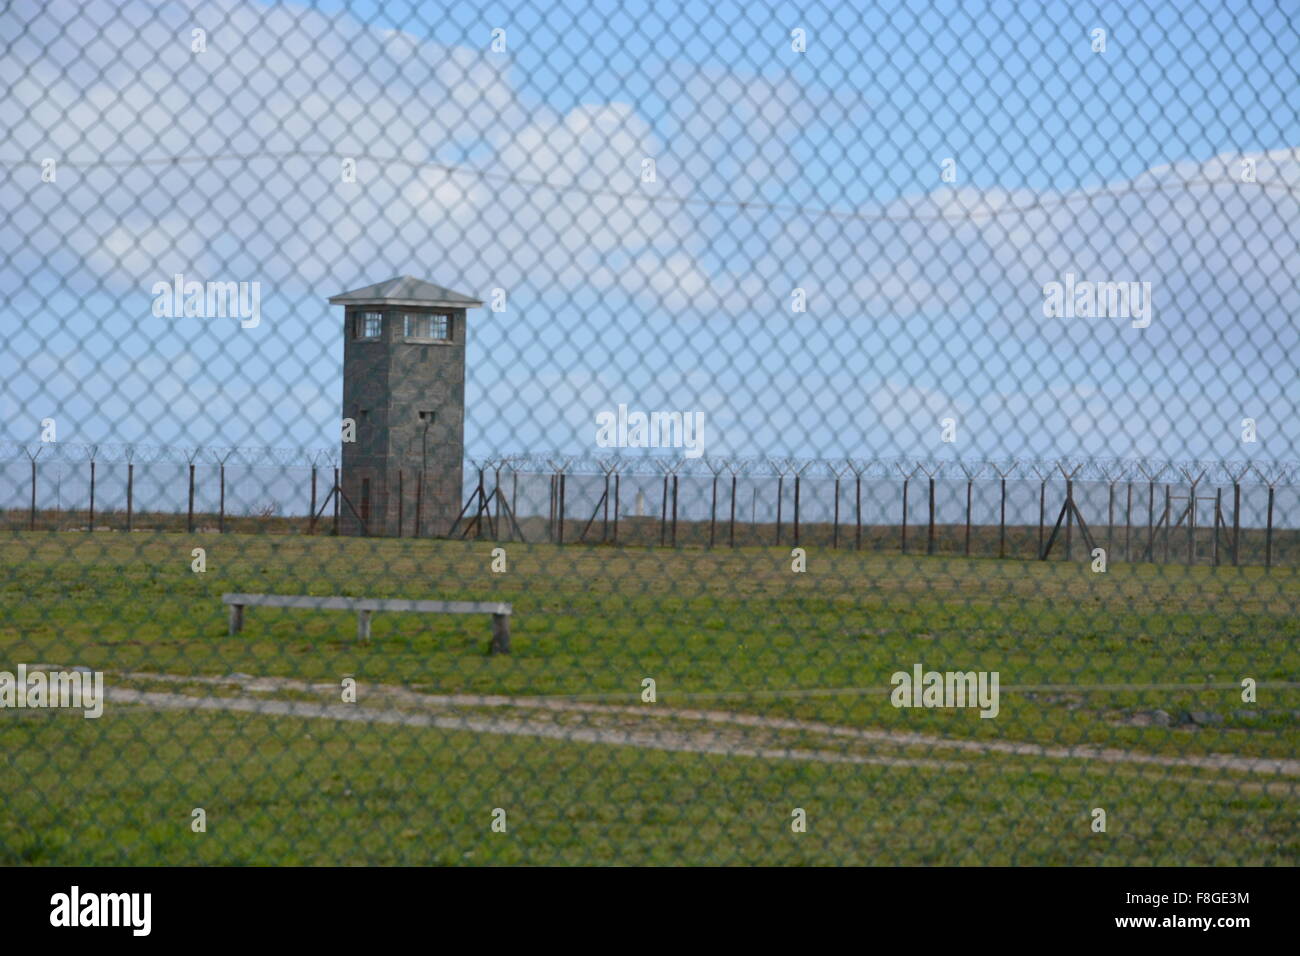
x=773, y=693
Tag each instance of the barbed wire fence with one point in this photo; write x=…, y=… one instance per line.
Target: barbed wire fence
x=696, y=501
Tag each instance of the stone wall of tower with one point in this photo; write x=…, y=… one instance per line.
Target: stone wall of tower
x=428, y=377
x=386, y=385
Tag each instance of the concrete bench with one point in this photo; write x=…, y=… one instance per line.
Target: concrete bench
x=366, y=606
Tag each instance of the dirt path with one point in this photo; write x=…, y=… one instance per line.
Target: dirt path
x=718, y=732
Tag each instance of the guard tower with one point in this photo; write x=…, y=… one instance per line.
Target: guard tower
x=404, y=387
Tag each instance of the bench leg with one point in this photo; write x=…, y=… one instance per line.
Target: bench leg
x=500, y=634
x=363, y=625
x=236, y=618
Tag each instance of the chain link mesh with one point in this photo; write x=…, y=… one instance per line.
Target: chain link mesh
x=837, y=435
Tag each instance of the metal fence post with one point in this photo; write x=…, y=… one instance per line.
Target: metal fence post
x=1128, y=521
x=1002, y=508
x=31, y=525
x=966, y=547
x=1268, y=534
x=857, y=512
x=796, y=510
x=560, y=526
x=1069, y=517
x=732, y=532
x=1218, y=520
x=780, y=493
x=905, y=483
x=1110, y=518
x=550, y=516
x=1151, y=521
x=1042, y=508
x=929, y=541
x=713, y=510
x=1236, y=521
x=674, y=511
x=970, y=480
x=663, y=515
x=1169, y=517
x=1002, y=517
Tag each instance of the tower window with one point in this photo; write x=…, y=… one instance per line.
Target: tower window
x=435, y=326
x=369, y=325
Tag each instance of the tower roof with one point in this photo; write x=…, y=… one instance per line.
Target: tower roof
x=405, y=290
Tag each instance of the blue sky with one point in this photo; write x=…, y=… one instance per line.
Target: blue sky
x=924, y=297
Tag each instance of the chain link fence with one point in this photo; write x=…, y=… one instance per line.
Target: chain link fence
x=644, y=434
